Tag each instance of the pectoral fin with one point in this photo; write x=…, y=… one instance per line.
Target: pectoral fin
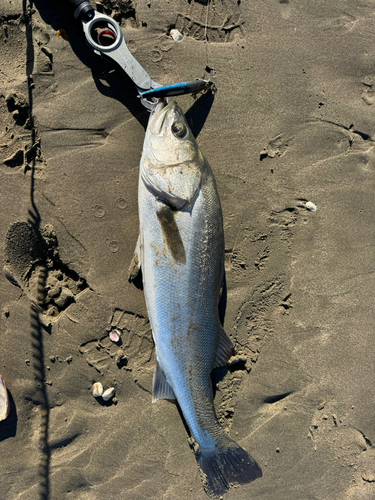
x=135, y=264
x=224, y=349
x=160, y=387
x=171, y=234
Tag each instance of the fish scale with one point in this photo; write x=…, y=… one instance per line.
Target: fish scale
x=181, y=253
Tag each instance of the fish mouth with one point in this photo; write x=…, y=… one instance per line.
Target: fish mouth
x=158, y=116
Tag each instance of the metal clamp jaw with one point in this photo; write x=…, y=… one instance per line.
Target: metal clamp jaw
x=104, y=37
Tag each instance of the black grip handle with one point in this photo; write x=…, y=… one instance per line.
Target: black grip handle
x=83, y=10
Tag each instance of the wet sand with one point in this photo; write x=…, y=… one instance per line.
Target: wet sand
x=292, y=122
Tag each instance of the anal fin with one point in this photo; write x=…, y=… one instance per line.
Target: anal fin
x=224, y=349
x=135, y=264
x=160, y=387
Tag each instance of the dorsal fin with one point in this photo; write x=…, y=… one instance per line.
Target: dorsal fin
x=160, y=387
x=224, y=349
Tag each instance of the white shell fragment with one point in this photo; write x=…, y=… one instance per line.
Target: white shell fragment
x=176, y=35
x=97, y=390
x=4, y=400
x=108, y=394
x=114, y=335
x=311, y=206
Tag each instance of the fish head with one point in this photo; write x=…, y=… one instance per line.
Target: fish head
x=172, y=162
x=169, y=138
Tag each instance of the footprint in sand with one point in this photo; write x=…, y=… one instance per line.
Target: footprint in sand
x=341, y=24
x=368, y=91
x=98, y=211
x=16, y=151
x=113, y=246
x=120, y=11
x=133, y=351
x=32, y=261
x=121, y=203
x=277, y=146
x=216, y=21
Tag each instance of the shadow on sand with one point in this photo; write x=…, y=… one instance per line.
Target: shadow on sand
x=36, y=326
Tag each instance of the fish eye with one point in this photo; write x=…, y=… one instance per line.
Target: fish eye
x=179, y=129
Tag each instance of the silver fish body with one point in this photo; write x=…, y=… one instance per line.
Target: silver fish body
x=181, y=253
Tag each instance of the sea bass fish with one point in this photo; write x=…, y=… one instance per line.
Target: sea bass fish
x=181, y=253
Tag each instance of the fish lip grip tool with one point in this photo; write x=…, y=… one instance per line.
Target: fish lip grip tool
x=104, y=37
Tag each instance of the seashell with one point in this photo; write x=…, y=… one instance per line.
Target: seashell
x=114, y=335
x=4, y=400
x=176, y=35
x=311, y=206
x=108, y=394
x=97, y=390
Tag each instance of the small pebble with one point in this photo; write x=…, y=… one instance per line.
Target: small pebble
x=108, y=394
x=176, y=35
x=311, y=206
x=97, y=390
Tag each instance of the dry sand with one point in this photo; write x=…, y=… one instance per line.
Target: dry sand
x=293, y=121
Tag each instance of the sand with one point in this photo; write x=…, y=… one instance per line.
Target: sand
x=292, y=122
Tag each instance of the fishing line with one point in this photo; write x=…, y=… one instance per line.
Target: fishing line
x=205, y=32
x=209, y=69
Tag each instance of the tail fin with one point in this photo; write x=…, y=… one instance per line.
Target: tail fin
x=225, y=464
